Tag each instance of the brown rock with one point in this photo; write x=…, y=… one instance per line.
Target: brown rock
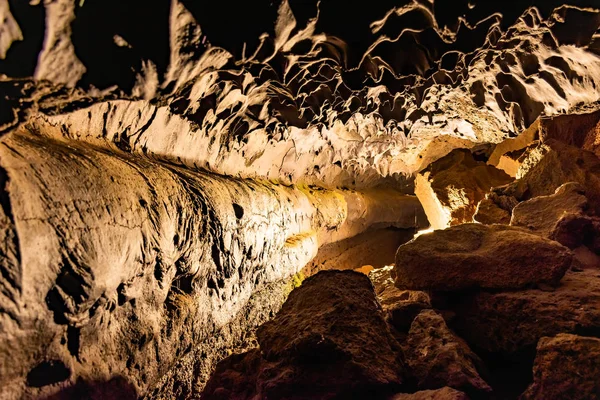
x=330, y=339
x=566, y=367
x=488, y=212
x=579, y=130
x=553, y=164
x=451, y=187
x=512, y=321
x=548, y=215
x=446, y=393
x=475, y=255
x=402, y=306
x=438, y=358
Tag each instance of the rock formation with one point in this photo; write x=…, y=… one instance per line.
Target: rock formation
x=171, y=172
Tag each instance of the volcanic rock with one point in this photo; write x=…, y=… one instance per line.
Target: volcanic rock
x=548, y=216
x=479, y=256
x=446, y=393
x=437, y=358
x=450, y=188
x=566, y=367
x=509, y=322
x=402, y=306
x=329, y=340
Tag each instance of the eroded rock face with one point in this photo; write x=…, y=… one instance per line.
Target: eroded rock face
x=566, y=367
x=480, y=256
x=450, y=188
x=105, y=272
x=438, y=358
x=329, y=340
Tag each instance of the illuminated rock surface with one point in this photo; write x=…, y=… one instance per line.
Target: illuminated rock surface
x=171, y=171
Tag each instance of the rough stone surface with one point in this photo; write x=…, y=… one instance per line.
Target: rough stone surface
x=402, y=306
x=484, y=256
x=437, y=358
x=162, y=179
x=552, y=164
x=489, y=212
x=329, y=340
x=446, y=393
x=512, y=321
x=566, y=367
x=107, y=260
x=546, y=215
x=450, y=188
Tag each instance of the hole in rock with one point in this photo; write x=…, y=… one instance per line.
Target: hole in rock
x=48, y=373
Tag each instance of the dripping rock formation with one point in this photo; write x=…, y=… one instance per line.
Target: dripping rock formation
x=299, y=199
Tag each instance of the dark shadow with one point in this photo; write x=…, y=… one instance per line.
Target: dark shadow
x=22, y=56
x=115, y=388
x=143, y=24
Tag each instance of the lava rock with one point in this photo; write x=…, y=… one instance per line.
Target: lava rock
x=566, y=367
x=438, y=358
x=489, y=212
x=513, y=321
x=330, y=340
x=548, y=215
x=451, y=187
x=402, y=306
x=446, y=393
x=484, y=256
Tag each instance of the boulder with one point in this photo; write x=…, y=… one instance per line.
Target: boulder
x=489, y=212
x=566, y=367
x=437, y=358
x=509, y=322
x=329, y=340
x=401, y=306
x=446, y=393
x=548, y=215
x=484, y=256
x=451, y=187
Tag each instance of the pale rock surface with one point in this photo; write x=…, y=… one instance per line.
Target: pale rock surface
x=566, y=367
x=436, y=357
x=480, y=256
x=450, y=188
x=119, y=266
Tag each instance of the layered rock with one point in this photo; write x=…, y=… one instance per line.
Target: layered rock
x=450, y=188
x=480, y=256
x=438, y=358
x=329, y=340
x=566, y=367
